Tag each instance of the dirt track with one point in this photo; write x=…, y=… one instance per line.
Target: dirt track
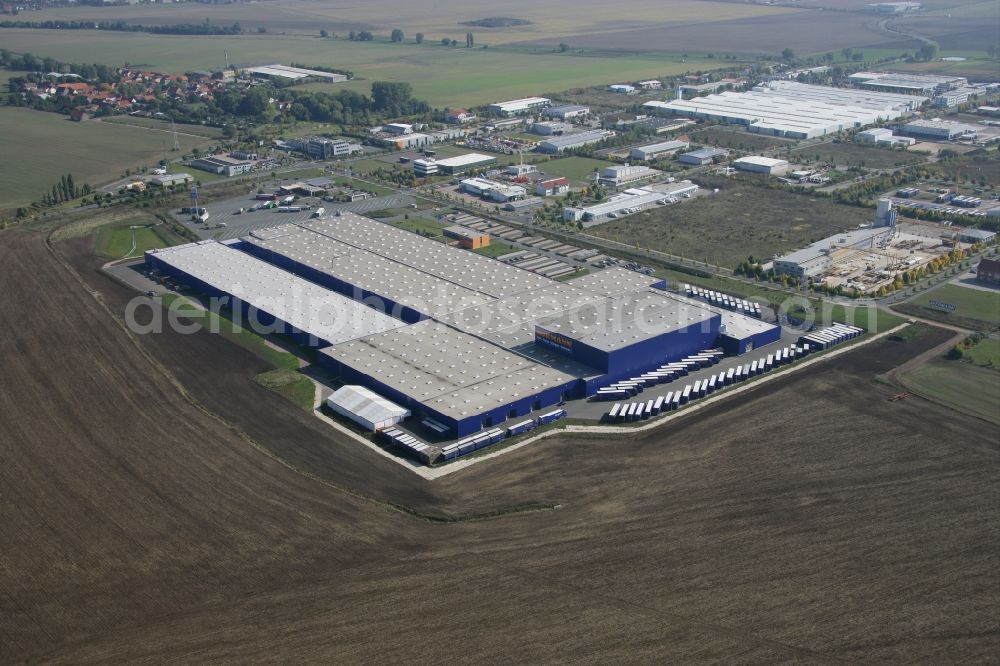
x=812, y=522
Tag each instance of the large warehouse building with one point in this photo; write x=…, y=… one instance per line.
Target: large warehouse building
x=460, y=340
x=794, y=110
x=519, y=107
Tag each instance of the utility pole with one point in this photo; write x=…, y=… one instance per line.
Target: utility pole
x=173, y=132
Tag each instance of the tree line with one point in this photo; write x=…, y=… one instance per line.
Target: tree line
x=205, y=28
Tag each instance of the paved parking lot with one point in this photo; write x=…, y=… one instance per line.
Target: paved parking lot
x=237, y=225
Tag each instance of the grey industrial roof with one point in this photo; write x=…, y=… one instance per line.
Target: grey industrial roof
x=366, y=404
x=703, y=153
x=619, y=321
x=367, y=271
x=614, y=280
x=302, y=304
x=578, y=139
x=467, y=269
x=453, y=373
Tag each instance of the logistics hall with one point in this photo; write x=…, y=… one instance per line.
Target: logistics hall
x=453, y=336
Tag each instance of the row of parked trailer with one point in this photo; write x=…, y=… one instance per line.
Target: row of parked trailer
x=831, y=335
x=627, y=412
x=718, y=299
x=662, y=375
x=478, y=441
x=410, y=444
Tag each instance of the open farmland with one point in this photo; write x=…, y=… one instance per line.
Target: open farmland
x=804, y=31
x=48, y=145
x=164, y=126
x=436, y=19
x=740, y=220
x=443, y=76
x=853, y=154
x=161, y=530
x=966, y=388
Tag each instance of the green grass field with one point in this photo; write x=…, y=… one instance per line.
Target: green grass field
x=965, y=387
x=577, y=169
x=164, y=126
x=737, y=139
x=290, y=384
x=39, y=147
x=442, y=76
x=495, y=249
x=974, y=308
x=985, y=352
x=114, y=241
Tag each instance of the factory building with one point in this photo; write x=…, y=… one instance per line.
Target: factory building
x=822, y=255
x=757, y=164
x=519, y=107
x=472, y=342
x=793, y=110
x=627, y=202
x=911, y=84
x=569, y=141
x=622, y=334
x=656, y=150
x=939, y=130
x=566, y=111
x=652, y=84
x=171, y=179
x=619, y=175
x=702, y=156
x=452, y=165
x=893, y=7
x=951, y=98
x=276, y=71
x=397, y=128
x=222, y=165
x=468, y=238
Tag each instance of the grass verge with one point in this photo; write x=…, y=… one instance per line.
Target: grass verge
x=289, y=384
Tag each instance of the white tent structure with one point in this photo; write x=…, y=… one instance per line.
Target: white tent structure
x=366, y=408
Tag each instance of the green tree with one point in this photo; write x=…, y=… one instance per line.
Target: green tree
x=788, y=54
x=563, y=47
x=927, y=52
x=469, y=40
x=396, y=35
x=324, y=34
x=419, y=38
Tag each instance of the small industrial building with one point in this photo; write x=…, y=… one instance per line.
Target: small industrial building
x=321, y=148
x=622, y=89
x=822, y=255
x=988, y=271
x=702, y=156
x=492, y=190
x=452, y=165
x=519, y=107
x=939, y=130
x=566, y=111
x=951, y=98
x=893, y=7
x=656, y=150
x=276, y=71
x=757, y=164
x=629, y=201
x=559, y=144
x=881, y=136
x=398, y=128
x=973, y=236
x=468, y=238
x=651, y=84
x=619, y=175
x=222, y=164
x=303, y=189
x=552, y=187
x=171, y=179
x=550, y=128
x=366, y=408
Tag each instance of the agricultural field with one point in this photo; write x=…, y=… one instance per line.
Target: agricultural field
x=577, y=169
x=225, y=501
x=740, y=221
x=853, y=154
x=978, y=169
x=974, y=308
x=443, y=76
x=435, y=19
x=48, y=145
x=738, y=139
x=806, y=32
x=164, y=126
x=964, y=387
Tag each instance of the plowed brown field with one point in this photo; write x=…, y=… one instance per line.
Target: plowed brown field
x=145, y=517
